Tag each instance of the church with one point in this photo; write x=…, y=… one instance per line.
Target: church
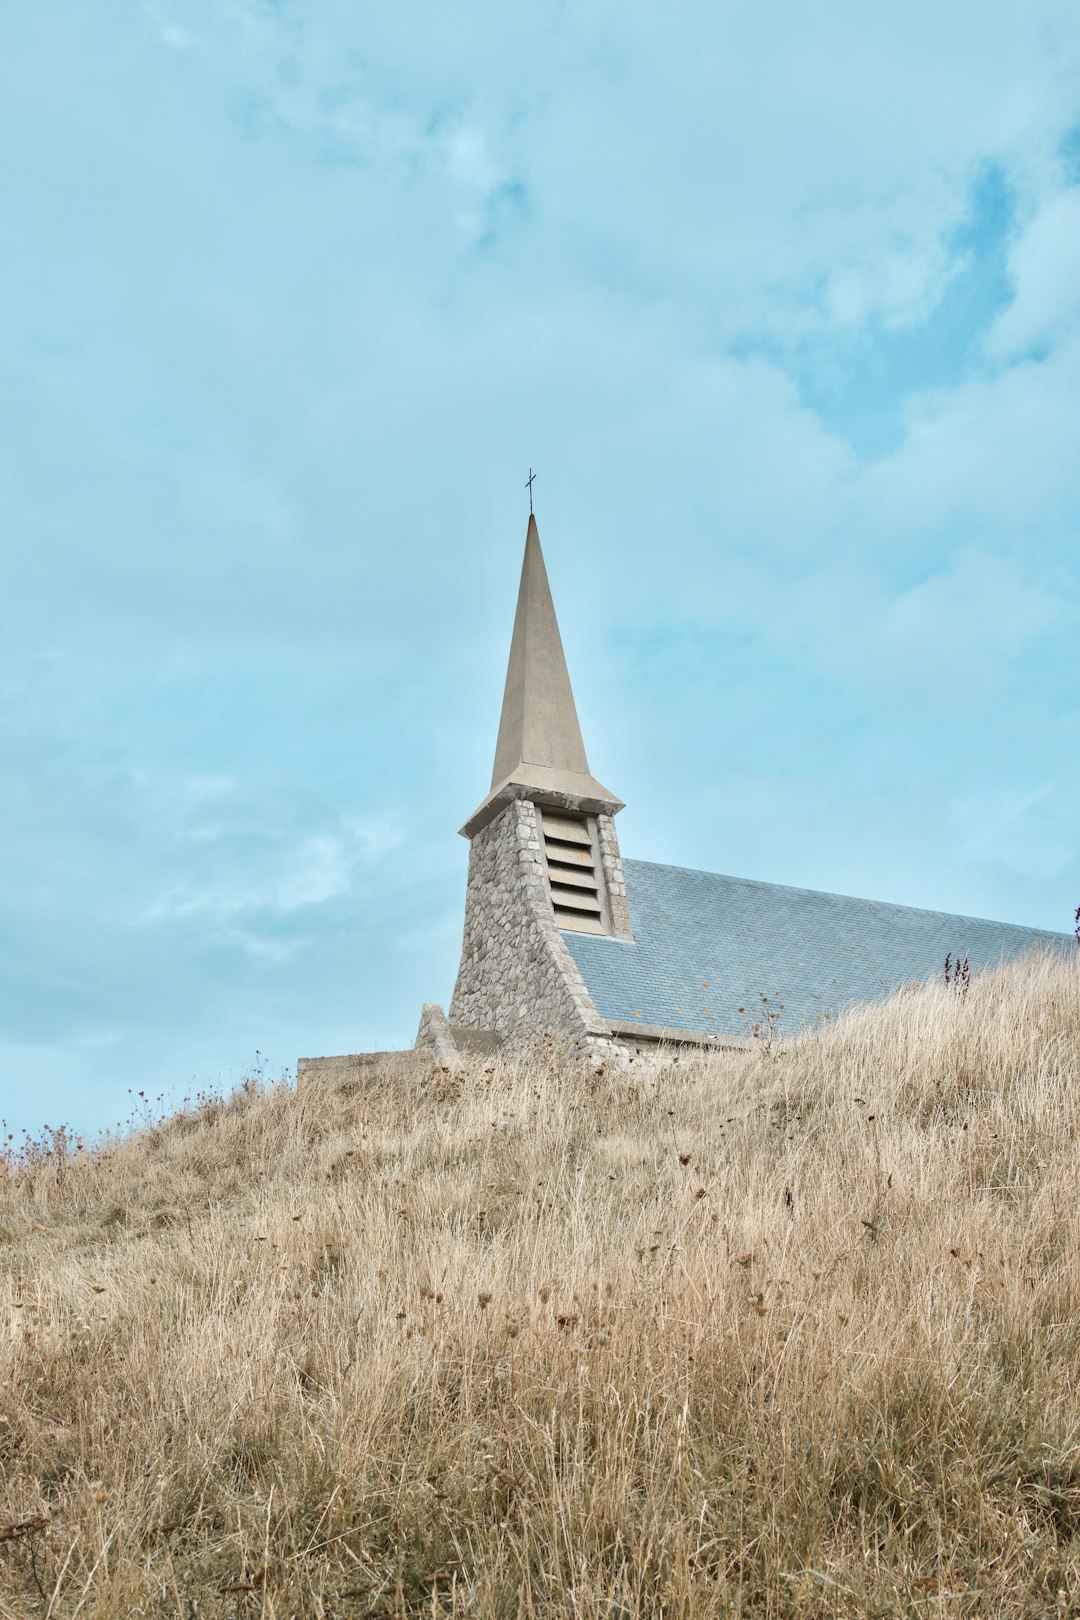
x=564, y=937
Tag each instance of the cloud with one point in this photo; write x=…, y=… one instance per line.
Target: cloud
x=993, y=455
x=1044, y=266
x=952, y=636
x=950, y=631
x=164, y=29
x=268, y=878
x=816, y=167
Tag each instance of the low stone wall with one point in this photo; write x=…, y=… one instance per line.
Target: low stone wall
x=434, y=1034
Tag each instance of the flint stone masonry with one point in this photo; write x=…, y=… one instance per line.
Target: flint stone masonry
x=615, y=882
x=516, y=975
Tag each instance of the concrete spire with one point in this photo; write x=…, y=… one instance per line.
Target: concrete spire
x=539, y=724
x=539, y=754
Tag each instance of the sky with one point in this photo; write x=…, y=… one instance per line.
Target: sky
x=781, y=302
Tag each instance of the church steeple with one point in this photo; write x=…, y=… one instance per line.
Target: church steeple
x=539, y=754
x=539, y=724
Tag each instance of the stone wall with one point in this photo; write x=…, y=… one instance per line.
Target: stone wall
x=434, y=1034
x=614, y=882
x=516, y=975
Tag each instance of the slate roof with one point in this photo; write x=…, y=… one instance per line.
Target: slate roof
x=705, y=945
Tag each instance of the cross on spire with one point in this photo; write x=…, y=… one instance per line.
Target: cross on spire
x=529, y=482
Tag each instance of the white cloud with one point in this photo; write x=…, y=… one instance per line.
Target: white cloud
x=993, y=455
x=815, y=165
x=1044, y=265
x=949, y=638
x=165, y=29
x=896, y=284
x=950, y=630
x=469, y=157
x=276, y=880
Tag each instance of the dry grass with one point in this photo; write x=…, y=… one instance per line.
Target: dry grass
x=787, y=1336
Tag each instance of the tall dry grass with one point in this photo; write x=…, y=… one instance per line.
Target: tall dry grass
x=792, y=1335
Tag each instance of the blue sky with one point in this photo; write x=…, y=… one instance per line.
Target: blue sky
x=783, y=303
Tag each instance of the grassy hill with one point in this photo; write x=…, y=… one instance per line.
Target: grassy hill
x=788, y=1333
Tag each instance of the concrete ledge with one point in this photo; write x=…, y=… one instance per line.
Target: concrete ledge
x=582, y=795
x=682, y=1037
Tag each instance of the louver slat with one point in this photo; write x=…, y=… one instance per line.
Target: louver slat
x=569, y=855
x=569, y=877
x=580, y=925
x=568, y=832
x=571, y=900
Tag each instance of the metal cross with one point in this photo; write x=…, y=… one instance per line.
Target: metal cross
x=528, y=485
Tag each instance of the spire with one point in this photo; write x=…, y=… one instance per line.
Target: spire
x=539, y=754
x=539, y=724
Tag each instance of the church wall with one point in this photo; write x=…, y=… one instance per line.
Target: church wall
x=516, y=975
x=614, y=882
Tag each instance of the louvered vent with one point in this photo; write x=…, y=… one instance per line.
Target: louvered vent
x=573, y=868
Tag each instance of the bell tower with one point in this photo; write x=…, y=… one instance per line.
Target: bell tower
x=544, y=855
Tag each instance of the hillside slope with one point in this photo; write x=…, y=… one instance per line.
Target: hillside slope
x=787, y=1333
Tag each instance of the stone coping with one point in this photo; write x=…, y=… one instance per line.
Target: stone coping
x=561, y=791
x=657, y=1033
